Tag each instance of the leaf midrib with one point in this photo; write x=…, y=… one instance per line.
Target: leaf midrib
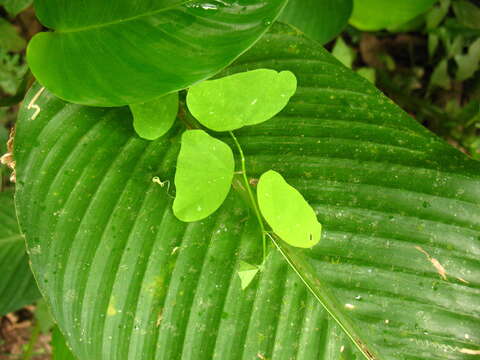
x=121, y=21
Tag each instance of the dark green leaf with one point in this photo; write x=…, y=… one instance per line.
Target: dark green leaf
x=204, y=175
x=14, y=7
x=17, y=285
x=467, y=13
x=247, y=98
x=437, y=14
x=455, y=46
x=433, y=42
x=60, y=349
x=126, y=280
x=468, y=63
x=371, y=15
x=440, y=76
x=321, y=20
x=10, y=40
x=153, y=119
x=287, y=212
x=139, y=50
x=12, y=70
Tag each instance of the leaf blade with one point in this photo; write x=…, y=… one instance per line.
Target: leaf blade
x=287, y=212
x=372, y=15
x=17, y=285
x=246, y=273
x=387, y=185
x=60, y=348
x=205, y=168
x=135, y=44
x=242, y=99
x=153, y=119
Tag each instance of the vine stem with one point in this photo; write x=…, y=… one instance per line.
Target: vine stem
x=323, y=295
x=302, y=268
x=316, y=287
x=250, y=195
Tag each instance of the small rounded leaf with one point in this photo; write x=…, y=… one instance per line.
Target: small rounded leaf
x=241, y=99
x=205, y=168
x=287, y=212
x=153, y=119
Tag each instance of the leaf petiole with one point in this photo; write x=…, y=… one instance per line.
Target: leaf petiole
x=250, y=195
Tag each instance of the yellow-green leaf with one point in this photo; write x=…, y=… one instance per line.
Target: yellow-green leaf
x=372, y=15
x=204, y=175
x=153, y=119
x=246, y=273
x=246, y=98
x=287, y=212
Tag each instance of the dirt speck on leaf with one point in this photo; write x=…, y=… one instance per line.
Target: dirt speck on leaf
x=440, y=269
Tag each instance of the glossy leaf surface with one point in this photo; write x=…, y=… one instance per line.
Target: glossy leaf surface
x=125, y=279
x=242, y=99
x=153, y=119
x=17, y=285
x=204, y=175
x=139, y=50
x=372, y=15
x=287, y=212
x=321, y=20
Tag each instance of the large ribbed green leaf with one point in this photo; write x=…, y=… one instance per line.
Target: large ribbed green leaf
x=60, y=347
x=17, y=286
x=132, y=51
x=126, y=280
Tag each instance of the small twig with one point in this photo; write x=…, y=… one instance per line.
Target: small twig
x=32, y=105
